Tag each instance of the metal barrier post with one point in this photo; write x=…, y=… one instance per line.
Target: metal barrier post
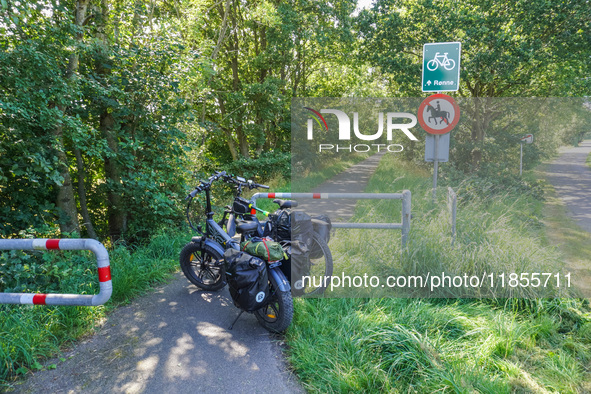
x=405, y=196
x=104, y=272
x=452, y=201
x=406, y=202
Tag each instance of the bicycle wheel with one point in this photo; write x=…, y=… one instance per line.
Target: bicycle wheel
x=277, y=315
x=432, y=65
x=204, y=268
x=321, y=269
x=449, y=65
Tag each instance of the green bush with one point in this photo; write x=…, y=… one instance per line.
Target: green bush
x=264, y=167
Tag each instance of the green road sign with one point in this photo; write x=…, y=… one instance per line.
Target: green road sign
x=441, y=66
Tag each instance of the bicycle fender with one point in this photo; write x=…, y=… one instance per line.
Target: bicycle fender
x=211, y=243
x=279, y=280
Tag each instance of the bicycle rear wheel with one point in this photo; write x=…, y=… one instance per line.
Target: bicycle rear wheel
x=321, y=268
x=277, y=315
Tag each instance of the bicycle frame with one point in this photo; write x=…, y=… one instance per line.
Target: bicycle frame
x=215, y=232
x=221, y=240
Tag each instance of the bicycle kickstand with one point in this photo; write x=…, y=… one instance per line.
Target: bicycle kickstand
x=235, y=320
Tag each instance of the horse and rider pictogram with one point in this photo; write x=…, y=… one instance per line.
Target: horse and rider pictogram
x=438, y=114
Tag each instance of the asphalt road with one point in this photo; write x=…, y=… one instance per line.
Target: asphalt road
x=571, y=178
x=175, y=340
x=352, y=180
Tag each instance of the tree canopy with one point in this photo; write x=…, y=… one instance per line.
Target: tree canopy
x=109, y=107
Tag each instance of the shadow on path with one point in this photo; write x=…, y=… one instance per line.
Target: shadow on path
x=174, y=340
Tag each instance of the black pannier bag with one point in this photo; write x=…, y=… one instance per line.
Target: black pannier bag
x=322, y=226
x=297, y=265
x=284, y=225
x=247, y=280
x=280, y=229
x=241, y=206
x=301, y=227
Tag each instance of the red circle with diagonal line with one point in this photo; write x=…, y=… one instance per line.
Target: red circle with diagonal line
x=438, y=114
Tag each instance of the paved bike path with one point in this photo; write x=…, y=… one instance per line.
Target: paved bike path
x=176, y=339
x=571, y=178
x=352, y=180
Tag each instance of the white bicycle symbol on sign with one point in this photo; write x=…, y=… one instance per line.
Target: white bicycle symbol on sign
x=441, y=60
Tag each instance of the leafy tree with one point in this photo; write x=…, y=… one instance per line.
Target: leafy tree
x=519, y=48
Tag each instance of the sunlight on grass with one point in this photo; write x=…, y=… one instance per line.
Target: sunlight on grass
x=429, y=345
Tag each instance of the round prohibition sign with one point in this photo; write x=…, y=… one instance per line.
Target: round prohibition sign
x=438, y=114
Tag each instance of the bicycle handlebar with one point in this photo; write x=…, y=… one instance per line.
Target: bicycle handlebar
x=249, y=183
x=203, y=185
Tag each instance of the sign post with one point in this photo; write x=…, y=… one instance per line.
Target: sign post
x=438, y=115
x=528, y=139
x=435, y=168
x=441, y=73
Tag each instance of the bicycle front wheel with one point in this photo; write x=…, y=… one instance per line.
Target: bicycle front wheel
x=203, y=267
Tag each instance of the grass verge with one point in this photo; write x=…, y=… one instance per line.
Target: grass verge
x=31, y=334
x=492, y=345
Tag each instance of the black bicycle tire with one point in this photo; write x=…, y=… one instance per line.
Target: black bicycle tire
x=186, y=265
x=328, y=265
x=281, y=303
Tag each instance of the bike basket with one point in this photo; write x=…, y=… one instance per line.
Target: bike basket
x=241, y=206
x=248, y=280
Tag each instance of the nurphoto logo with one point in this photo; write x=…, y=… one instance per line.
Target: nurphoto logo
x=394, y=122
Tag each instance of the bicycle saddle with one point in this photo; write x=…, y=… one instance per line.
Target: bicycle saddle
x=286, y=203
x=246, y=226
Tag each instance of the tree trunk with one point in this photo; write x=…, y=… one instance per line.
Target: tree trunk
x=236, y=86
x=229, y=138
x=231, y=144
x=115, y=207
x=244, y=148
x=65, y=199
x=82, y=194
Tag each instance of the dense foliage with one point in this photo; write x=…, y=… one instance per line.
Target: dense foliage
x=108, y=106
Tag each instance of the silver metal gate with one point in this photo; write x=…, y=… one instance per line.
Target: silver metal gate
x=104, y=272
x=405, y=196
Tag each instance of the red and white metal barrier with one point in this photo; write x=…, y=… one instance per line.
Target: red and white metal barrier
x=104, y=272
x=405, y=196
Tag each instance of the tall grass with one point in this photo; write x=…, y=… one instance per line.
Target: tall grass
x=30, y=334
x=493, y=345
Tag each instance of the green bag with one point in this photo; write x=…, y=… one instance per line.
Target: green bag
x=263, y=248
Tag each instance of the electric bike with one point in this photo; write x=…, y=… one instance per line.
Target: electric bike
x=202, y=261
